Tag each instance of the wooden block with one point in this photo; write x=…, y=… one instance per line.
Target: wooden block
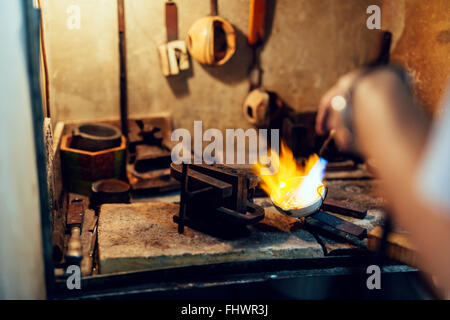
x=164, y=60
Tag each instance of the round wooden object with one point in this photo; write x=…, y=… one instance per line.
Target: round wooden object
x=257, y=107
x=211, y=40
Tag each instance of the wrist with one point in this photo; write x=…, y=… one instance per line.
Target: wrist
x=378, y=79
x=370, y=89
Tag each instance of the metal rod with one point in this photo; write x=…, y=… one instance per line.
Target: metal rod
x=327, y=142
x=183, y=200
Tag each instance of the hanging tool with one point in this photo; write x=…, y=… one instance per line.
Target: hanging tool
x=173, y=55
x=260, y=106
x=256, y=31
x=211, y=40
x=256, y=28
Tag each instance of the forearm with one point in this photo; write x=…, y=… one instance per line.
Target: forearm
x=392, y=131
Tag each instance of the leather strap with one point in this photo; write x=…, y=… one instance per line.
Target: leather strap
x=171, y=21
x=214, y=10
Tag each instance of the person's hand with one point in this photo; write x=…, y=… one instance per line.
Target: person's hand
x=328, y=119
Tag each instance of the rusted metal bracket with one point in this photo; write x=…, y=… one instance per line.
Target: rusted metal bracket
x=330, y=224
x=346, y=209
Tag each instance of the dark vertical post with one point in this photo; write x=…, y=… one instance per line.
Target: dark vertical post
x=123, y=68
x=183, y=200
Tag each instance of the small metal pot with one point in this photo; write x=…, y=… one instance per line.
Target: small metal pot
x=304, y=211
x=109, y=191
x=95, y=137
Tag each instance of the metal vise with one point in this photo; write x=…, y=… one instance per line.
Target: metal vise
x=216, y=194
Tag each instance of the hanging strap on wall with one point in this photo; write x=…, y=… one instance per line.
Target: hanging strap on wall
x=173, y=55
x=171, y=21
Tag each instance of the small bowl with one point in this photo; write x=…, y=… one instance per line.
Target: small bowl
x=95, y=137
x=304, y=211
x=109, y=191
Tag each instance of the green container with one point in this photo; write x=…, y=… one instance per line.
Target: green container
x=81, y=168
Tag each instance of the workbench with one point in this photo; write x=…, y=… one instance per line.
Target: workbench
x=141, y=255
x=143, y=236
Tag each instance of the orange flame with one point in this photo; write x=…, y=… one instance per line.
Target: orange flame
x=293, y=186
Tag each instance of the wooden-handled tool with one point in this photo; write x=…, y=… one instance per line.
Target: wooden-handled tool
x=256, y=32
x=75, y=215
x=256, y=26
x=260, y=106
